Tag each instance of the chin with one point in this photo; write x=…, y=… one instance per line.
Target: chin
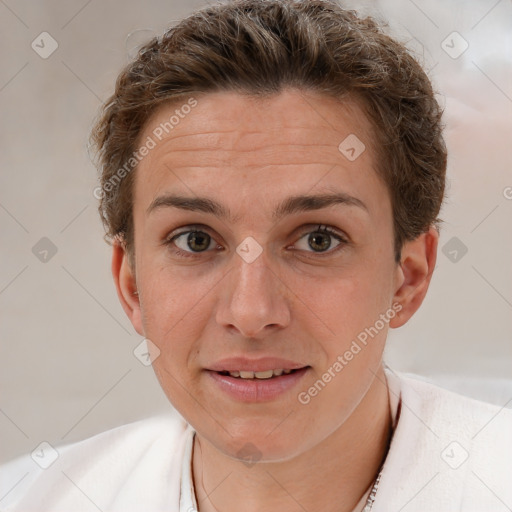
x=260, y=450
x=261, y=441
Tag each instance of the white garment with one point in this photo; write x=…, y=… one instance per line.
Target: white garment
x=448, y=453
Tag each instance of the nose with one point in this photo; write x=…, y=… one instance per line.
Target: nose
x=254, y=300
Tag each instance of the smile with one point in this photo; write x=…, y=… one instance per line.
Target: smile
x=267, y=374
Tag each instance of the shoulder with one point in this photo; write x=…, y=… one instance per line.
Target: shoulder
x=479, y=429
x=455, y=411
x=448, y=452
x=113, y=470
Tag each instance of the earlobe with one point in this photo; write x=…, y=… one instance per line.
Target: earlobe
x=416, y=267
x=124, y=279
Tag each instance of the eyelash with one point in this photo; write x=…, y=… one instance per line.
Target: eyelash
x=328, y=230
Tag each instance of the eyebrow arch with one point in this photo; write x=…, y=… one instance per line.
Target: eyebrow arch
x=291, y=205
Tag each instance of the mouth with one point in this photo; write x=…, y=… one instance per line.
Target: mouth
x=263, y=375
x=257, y=386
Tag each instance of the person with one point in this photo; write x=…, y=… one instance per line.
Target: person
x=272, y=173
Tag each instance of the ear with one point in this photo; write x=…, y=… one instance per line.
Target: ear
x=416, y=266
x=126, y=286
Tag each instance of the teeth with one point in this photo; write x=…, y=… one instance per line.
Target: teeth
x=267, y=374
x=264, y=375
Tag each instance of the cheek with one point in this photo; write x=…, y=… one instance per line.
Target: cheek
x=351, y=307
x=347, y=302
x=169, y=297
x=170, y=313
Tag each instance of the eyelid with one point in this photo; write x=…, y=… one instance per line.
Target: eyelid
x=325, y=228
x=186, y=229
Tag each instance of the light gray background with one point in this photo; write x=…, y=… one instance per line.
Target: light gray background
x=67, y=366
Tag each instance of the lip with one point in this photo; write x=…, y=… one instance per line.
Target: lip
x=261, y=364
x=257, y=390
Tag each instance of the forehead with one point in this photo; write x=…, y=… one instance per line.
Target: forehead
x=292, y=116
x=232, y=142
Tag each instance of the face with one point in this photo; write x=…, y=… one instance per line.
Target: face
x=259, y=246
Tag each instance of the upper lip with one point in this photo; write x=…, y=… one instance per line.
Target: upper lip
x=262, y=364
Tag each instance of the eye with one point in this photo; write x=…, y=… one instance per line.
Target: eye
x=190, y=242
x=320, y=240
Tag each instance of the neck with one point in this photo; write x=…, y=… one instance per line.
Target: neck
x=332, y=476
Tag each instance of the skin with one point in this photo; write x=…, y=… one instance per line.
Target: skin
x=292, y=301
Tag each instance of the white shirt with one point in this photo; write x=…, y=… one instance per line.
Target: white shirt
x=448, y=453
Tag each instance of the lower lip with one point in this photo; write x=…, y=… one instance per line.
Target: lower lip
x=257, y=390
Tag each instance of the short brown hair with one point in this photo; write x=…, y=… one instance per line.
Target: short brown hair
x=258, y=47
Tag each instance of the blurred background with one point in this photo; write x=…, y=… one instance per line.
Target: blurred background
x=68, y=368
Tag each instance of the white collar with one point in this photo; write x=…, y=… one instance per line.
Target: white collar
x=187, y=495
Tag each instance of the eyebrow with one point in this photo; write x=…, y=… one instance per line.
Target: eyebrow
x=291, y=205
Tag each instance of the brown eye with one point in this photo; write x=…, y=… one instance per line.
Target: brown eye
x=196, y=241
x=319, y=241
